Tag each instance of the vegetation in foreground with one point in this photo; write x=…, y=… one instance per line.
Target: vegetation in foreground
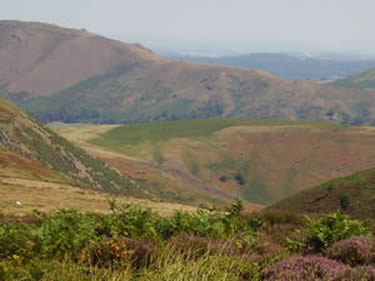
x=137, y=244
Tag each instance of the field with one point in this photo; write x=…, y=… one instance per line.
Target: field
x=258, y=161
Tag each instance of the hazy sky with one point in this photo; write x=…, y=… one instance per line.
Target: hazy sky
x=238, y=25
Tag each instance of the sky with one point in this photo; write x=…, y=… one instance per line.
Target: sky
x=344, y=26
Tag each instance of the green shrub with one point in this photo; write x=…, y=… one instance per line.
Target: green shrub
x=325, y=231
x=65, y=231
x=276, y=217
x=223, y=178
x=345, y=202
x=240, y=178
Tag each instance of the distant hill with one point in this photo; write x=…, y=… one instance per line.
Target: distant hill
x=29, y=150
x=289, y=66
x=363, y=80
x=357, y=192
x=43, y=59
x=68, y=75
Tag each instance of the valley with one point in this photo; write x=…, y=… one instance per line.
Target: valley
x=258, y=161
x=118, y=164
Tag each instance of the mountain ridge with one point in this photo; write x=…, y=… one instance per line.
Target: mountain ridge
x=88, y=78
x=30, y=51
x=291, y=67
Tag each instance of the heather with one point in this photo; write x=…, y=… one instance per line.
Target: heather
x=353, y=251
x=133, y=243
x=306, y=268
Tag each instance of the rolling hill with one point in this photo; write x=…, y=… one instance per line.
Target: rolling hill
x=60, y=74
x=356, y=191
x=259, y=161
x=43, y=59
x=363, y=80
x=31, y=151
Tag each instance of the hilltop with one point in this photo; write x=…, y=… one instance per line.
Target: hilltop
x=60, y=74
x=363, y=80
x=43, y=59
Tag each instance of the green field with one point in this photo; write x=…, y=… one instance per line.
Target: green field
x=164, y=131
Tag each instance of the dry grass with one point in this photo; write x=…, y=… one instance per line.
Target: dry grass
x=46, y=196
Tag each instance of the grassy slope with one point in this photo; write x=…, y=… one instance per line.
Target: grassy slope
x=41, y=153
x=13, y=165
x=362, y=80
x=275, y=158
x=325, y=198
x=179, y=90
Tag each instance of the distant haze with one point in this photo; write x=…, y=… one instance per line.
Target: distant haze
x=343, y=26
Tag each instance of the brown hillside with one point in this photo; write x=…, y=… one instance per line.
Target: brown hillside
x=69, y=75
x=43, y=59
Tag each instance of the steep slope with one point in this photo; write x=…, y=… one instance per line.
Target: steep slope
x=29, y=150
x=354, y=194
x=363, y=80
x=70, y=75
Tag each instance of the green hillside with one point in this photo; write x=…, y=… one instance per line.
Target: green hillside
x=363, y=80
x=355, y=195
x=157, y=93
